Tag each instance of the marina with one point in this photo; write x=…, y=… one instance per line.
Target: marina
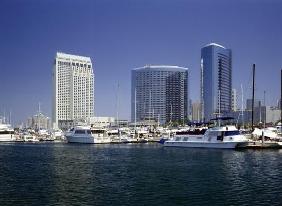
x=216, y=136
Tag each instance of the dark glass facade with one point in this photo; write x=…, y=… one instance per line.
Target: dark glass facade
x=161, y=93
x=216, y=80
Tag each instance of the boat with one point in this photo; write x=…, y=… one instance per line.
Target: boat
x=218, y=137
x=227, y=136
x=6, y=133
x=86, y=134
x=27, y=137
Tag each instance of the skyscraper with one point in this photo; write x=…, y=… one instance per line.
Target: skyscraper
x=73, y=90
x=216, y=80
x=159, y=92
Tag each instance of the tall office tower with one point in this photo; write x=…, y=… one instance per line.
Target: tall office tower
x=216, y=80
x=73, y=90
x=234, y=101
x=160, y=93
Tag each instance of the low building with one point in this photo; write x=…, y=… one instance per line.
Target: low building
x=273, y=114
x=102, y=121
x=38, y=121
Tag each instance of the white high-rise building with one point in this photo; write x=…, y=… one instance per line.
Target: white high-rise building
x=73, y=90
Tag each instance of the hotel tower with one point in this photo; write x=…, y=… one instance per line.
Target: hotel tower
x=73, y=90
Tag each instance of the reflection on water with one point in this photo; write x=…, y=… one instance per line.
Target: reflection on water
x=144, y=174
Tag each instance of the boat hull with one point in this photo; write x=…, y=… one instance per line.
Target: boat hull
x=77, y=139
x=219, y=145
x=7, y=138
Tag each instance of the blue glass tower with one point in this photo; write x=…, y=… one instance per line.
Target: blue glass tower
x=216, y=80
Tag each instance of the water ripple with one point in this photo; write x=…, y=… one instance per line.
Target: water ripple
x=145, y=174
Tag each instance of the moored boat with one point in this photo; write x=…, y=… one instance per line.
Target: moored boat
x=6, y=133
x=217, y=137
x=86, y=134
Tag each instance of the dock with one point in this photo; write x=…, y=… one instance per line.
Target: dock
x=262, y=145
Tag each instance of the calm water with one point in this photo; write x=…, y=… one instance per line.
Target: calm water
x=144, y=174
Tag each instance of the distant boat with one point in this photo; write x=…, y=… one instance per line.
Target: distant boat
x=30, y=138
x=6, y=133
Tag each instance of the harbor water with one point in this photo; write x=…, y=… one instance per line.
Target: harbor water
x=137, y=174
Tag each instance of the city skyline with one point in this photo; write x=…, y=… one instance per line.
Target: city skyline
x=119, y=36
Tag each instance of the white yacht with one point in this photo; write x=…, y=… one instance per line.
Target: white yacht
x=216, y=137
x=6, y=133
x=86, y=134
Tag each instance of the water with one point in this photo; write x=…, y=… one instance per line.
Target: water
x=143, y=174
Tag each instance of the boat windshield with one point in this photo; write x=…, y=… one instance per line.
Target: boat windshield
x=79, y=131
x=6, y=132
x=97, y=131
x=231, y=133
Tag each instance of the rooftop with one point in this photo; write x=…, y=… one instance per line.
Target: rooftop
x=215, y=44
x=72, y=57
x=162, y=67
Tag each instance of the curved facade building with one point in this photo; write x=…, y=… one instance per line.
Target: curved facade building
x=159, y=92
x=216, y=80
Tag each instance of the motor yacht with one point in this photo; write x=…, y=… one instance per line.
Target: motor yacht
x=86, y=134
x=227, y=136
x=6, y=133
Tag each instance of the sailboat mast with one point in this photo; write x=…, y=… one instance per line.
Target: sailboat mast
x=242, y=107
x=264, y=120
x=135, y=109
x=281, y=100
x=117, y=104
x=253, y=97
x=38, y=116
x=219, y=105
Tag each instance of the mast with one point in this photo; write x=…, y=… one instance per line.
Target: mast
x=170, y=113
x=10, y=118
x=264, y=121
x=219, y=105
x=281, y=100
x=253, y=96
x=38, y=116
x=135, y=110
x=242, y=107
x=150, y=104
x=117, y=104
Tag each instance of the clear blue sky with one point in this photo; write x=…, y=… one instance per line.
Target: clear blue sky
x=124, y=34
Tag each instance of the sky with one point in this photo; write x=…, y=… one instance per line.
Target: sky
x=125, y=34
